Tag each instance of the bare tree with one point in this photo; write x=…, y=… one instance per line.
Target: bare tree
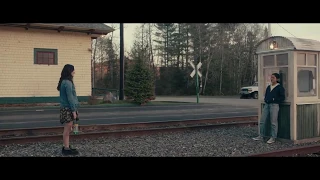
x=225, y=50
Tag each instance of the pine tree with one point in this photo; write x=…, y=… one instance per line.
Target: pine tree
x=139, y=82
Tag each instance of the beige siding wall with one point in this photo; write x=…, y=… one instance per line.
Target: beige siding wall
x=20, y=77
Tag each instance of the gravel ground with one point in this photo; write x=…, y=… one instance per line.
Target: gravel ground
x=233, y=141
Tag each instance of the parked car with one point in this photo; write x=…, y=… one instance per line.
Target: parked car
x=250, y=91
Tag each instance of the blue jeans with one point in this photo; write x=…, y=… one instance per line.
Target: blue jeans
x=272, y=110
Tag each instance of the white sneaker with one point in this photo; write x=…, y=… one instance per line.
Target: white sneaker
x=271, y=140
x=259, y=138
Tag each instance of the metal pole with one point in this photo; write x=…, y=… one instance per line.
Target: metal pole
x=197, y=81
x=92, y=67
x=167, y=49
x=269, y=30
x=121, y=96
x=197, y=84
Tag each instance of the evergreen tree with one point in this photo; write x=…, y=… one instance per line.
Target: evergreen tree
x=139, y=81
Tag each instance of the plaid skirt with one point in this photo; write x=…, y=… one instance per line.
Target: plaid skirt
x=66, y=115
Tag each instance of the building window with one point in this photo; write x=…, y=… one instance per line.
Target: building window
x=268, y=61
x=282, y=59
x=276, y=64
x=307, y=74
x=46, y=56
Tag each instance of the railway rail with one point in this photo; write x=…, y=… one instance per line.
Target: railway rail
x=21, y=136
x=290, y=152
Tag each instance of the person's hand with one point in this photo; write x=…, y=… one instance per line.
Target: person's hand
x=74, y=115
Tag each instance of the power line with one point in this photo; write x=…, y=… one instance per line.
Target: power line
x=286, y=30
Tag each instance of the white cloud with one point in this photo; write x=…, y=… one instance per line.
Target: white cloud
x=128, y=33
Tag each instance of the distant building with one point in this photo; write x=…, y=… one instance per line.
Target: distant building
x=32, y=56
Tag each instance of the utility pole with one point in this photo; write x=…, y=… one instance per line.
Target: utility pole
x=269, y=30
x=121, y=93
x=167, y=43
x=197, y=84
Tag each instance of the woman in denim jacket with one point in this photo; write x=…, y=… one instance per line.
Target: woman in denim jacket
x=68, y=106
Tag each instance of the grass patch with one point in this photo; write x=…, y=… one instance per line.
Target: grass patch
x=94, y=101
x=129, y=103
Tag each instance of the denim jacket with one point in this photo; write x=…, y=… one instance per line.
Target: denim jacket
x=68, y=96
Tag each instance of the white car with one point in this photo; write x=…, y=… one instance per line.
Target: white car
x=250, y=91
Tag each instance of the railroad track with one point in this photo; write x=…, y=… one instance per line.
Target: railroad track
x=290, y=152
x=21, y=136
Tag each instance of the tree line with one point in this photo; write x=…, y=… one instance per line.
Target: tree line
x=226, y=51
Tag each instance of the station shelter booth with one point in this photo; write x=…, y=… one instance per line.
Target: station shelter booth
x=297, y=62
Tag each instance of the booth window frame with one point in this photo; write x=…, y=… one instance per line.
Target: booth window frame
x=307, y=66
x=276, y=67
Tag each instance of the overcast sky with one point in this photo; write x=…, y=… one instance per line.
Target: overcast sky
x=301, y=30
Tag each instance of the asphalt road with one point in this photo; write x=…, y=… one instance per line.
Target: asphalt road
x=229, y=100
x=49, y=117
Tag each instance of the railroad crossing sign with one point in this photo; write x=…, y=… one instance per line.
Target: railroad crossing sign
x=197, y=73
x=194, y=69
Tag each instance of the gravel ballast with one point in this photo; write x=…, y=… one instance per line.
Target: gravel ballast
x=233, y=141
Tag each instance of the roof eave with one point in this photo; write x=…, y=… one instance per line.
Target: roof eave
x=275, y=51
x=309, y=50
x=59, y=28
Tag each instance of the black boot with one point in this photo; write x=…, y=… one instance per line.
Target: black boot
x=69, y=151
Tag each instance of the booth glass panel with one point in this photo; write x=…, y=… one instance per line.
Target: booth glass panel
x=307, y=81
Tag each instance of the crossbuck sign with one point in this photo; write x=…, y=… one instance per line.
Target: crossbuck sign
x=197, y=72
x=194, y=69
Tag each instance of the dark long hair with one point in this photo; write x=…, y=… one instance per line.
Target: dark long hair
x=66, y=74
x=277, y=75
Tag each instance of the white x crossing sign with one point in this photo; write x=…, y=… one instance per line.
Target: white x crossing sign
x=194, y=69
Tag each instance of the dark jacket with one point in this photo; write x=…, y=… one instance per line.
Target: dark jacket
x=277, y=95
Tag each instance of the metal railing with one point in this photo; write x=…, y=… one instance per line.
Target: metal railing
x=104, y=91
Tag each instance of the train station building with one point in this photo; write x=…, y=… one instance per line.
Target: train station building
x=32, y=56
